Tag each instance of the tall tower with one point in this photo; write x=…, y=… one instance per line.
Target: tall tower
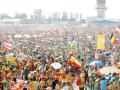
x=38, y=15
x=101, y=8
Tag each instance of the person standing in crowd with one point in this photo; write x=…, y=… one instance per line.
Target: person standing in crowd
x=42, y=83
x=82, y=81
x=70, y=87
x=54, y=84
x=33, y=83
x=49, y=83
x=97, y=84
x=6, y=85
x=57, y=87
x=25, y=73
x=103, y=83
x=64, y=86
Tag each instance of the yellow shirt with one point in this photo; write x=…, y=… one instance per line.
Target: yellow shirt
x=42, y=84
x=68, y=78
x=34, y=85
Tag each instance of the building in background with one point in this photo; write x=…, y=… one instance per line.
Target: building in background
x=101, y=8
x=37, y=15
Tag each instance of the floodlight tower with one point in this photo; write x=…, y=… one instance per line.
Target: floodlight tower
x=101, y=8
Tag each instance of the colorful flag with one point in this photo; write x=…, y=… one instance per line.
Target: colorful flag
x=101, y=41
x=113, y=39
x=116, y=30
x=8, y=46
x=6, y=42
x=11, y=60
x=73, y=61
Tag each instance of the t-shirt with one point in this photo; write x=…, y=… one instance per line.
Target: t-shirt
x=103, y=84
x=65, y=88
x=34, y=85
x=42, y=84
x=57, y=87
x=6, y=85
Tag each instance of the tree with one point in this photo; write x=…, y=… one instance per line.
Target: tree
x=4, y=16
x=20, y=16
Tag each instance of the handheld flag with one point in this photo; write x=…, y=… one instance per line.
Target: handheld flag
x=73, y=61
x=8, y=46
x=113, y=39
x=101, y=41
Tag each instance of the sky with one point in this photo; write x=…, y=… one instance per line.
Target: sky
x=84, y=7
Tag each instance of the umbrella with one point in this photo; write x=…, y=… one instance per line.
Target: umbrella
x=96, y=63
x=56, y=65
x=106, y=53
x=18, y=36
x=109, y=69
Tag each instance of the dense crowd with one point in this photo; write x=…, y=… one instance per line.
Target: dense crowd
x=41, y=75
x=43, y=65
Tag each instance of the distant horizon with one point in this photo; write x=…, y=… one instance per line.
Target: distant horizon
x=84, y=7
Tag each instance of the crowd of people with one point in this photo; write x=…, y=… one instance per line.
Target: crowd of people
x=45, y=68
x=40, y=75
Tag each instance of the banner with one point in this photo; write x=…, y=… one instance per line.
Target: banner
x=101, y=41
x=11, y=60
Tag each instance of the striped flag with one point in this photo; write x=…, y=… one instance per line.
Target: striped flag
x=6, y=42
x=8, y=46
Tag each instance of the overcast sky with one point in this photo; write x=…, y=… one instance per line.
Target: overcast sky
x=85, y=7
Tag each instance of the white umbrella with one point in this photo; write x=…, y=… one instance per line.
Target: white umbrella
x=96, y=63
x=109, y=69
x=56, y=65
x=18, y=36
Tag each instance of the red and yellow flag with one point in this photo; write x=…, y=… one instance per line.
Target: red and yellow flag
x=73, y=61
x=113, y=39
x=101, y=41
